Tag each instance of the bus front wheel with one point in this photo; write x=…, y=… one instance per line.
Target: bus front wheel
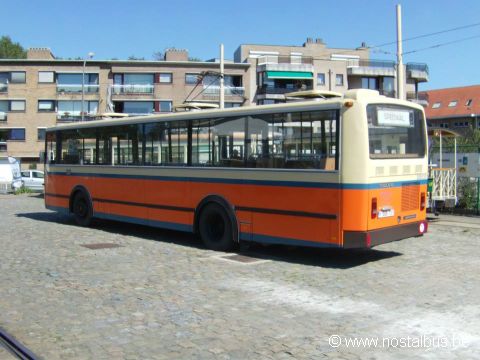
x=215, y=228
x=82, y=209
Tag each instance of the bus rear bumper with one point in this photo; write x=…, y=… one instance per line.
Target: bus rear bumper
x=369, y=239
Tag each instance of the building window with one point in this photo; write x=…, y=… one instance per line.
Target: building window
x=165, y=78
x=17, y=105
x=46, y=76
x=469, y=102
x=165, y=106
x=436, y=105
x=68, y=108
x=232, y=105
x=17, y=77
x=41, y=134
x=339, y=80
x=320, y=79
x=12, y=134
x=452, y=103
x=138, y=107
x=192, y=79
x=72, y=83
x=4, y=76
x=370, y=83
x=46, y=105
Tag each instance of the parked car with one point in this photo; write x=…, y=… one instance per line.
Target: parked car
x=10, y=178
x=33, y=180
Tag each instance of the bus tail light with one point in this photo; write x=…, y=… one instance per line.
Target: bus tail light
x=368, y=240
x=374, y=208
x=422, y=201
x=422, y=227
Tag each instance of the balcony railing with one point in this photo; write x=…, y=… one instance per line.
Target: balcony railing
x=388, y=93
x=77, y=88
x=263, y=90
x=370, y=63
x=66, y=117
x=284, y=59
x=3, y=116
x=3, y=88
x=132, y=89
x=229, y=90
x=417, y=67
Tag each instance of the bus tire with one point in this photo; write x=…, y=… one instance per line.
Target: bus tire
x=82, y=209
x=215, y=228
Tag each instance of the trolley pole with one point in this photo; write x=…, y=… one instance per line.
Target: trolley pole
x=222, y=90
x=400, y=70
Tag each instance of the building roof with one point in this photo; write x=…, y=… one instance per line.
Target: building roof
x=441, y=102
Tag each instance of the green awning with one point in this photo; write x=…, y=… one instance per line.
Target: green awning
x=289, y=75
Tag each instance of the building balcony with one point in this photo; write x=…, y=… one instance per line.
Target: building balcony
x=3, y=88
x=361, y=67
x=3, y=116
x=77, y=88
x=284, y=59
x=271, y=90
x=417, y=98
x=418, y=71
x=67, y=117
x=127, y=89
x=229, y=91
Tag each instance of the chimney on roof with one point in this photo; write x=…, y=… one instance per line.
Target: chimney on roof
x=39, y=54
x=173, y=54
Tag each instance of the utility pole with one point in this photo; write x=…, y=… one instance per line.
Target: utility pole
x=222, y=90
x=90, y=55
x=400, y=70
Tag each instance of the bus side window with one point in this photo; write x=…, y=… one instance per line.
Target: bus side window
x=51, y=147
x=228, y=142
x=201, y=142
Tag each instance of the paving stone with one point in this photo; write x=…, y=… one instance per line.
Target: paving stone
x=161, y=295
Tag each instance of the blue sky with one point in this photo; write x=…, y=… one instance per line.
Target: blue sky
x=120, y=28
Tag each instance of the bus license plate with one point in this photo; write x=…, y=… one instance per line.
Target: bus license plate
x=386, y=213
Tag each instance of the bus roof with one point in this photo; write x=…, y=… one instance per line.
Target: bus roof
x=331, y=103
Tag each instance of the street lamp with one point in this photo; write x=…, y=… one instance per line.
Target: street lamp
x=89, y=56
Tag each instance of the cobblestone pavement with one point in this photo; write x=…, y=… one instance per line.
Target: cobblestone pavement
x=161, y=295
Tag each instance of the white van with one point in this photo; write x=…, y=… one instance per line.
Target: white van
x=10, y=176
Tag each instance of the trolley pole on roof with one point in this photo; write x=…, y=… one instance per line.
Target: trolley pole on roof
x=222, y=90
x=400, y=70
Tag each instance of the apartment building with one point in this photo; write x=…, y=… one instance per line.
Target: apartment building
x=455, y=108
x=276, y=70
x=43, y=91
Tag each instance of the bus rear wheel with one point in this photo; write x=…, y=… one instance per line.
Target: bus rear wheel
x=216, y=228
x=82, y=209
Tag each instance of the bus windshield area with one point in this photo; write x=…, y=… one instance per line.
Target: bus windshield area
x=395, y=132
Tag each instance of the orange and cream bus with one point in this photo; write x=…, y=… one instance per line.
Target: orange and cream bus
x=345, y=172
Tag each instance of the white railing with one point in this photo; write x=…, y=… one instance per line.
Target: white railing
x=3, y=116
x=444, y=185
x=132, y=89
x=229, y=90
x=77, y=88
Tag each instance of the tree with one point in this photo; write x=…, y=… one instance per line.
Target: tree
x=133, y=57
x=11, y=50
x=158, y=56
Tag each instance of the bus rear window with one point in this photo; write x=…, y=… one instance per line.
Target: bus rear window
x=395, y=132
